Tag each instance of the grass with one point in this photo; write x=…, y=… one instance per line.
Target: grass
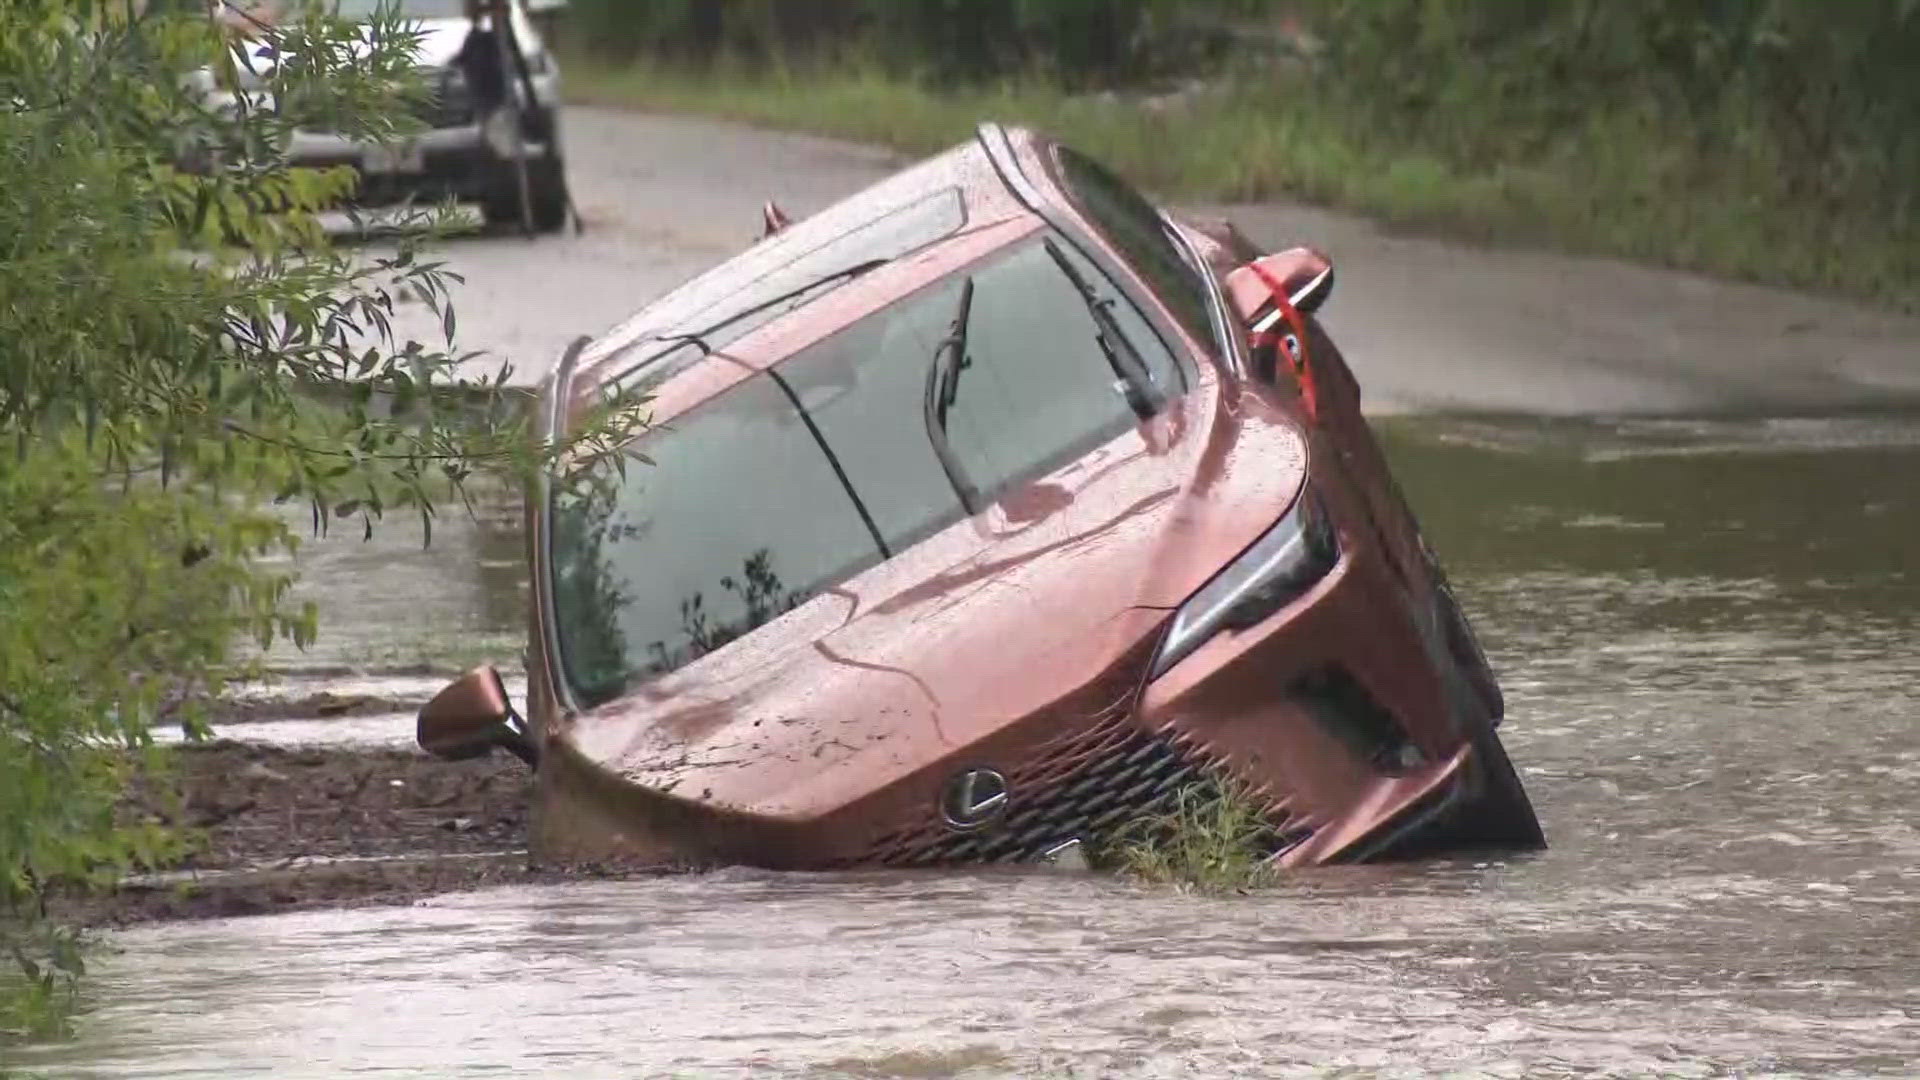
x=1623, y=185
x=1212, y=839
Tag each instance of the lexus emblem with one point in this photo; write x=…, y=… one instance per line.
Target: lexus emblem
x=973, y=798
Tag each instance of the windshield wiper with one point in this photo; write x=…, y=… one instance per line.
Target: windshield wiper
x=1132, y=379
x=943, y=384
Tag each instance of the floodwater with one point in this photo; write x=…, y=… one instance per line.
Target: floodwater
x=1707, y=633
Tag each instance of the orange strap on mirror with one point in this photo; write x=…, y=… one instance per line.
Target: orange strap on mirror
x=1302, y=371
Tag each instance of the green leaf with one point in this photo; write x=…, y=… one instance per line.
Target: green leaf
x=199, y=341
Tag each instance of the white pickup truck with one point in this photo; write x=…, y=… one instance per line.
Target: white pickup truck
x=460, y=154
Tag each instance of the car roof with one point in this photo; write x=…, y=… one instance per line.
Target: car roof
x=934, y=211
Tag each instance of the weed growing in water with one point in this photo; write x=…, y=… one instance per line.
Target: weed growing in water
x=1213, y=837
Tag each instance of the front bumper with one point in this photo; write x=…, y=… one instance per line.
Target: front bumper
x=456, y=157
x=458, y=163
x=1352, y=722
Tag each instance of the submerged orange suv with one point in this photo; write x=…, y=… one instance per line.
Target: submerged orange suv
x=978, y=514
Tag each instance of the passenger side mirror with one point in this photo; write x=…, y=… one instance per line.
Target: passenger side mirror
x=471, y=717
x=1304, y=277
x=1303, y=274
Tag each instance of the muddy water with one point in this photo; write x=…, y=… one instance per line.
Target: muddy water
x=396, y=601
x=1707, y=632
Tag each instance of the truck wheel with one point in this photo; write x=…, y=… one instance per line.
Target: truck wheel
x=547, y=183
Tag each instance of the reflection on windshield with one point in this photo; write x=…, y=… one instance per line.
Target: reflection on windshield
x=738, y=516
x=748, y=283
x=750, y=505
x=587, y=592
x=594, y=601
x=757, y=590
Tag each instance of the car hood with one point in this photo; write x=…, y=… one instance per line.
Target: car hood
x=439, y=43
x=1000, y=617
x=440, y=40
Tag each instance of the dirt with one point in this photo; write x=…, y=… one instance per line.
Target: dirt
x=280, y=829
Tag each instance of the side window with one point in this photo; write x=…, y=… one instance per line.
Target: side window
x=1127, y=219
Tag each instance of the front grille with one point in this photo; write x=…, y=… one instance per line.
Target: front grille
x=1086, y=786
x=443, y=101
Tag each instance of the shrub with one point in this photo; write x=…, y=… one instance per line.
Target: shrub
x=181, y=344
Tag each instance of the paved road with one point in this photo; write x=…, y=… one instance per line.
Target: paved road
x=1428, y=324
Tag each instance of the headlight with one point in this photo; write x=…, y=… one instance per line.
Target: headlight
x=1285, y=562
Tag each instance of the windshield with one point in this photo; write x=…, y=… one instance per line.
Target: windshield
x=795, y=480
x=414, y=9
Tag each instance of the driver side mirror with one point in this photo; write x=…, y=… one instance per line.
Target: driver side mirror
x=772, y=219
x=471, y=717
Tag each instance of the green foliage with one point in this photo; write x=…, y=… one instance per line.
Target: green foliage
x=1772, y=141
x=38, y=998
x=1213, y=838
x=1077, y=42
x=185, y=342
x=1826, y=87
x=1805, y=115
x=123, y=598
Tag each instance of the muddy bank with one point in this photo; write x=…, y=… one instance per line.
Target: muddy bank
x=259, y=804
x=286, y=828
x=323, y=704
